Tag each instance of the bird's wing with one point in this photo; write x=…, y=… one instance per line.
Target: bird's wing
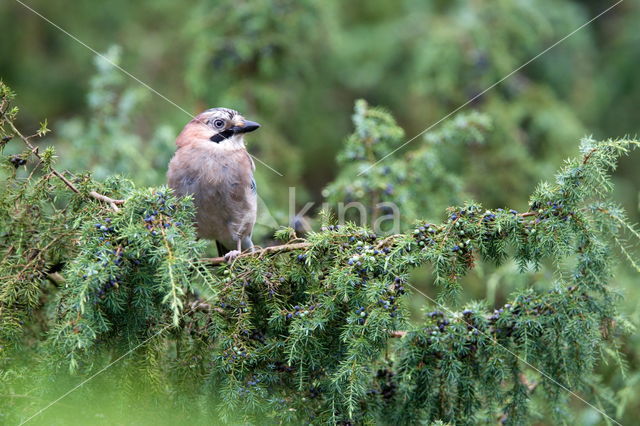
x=240, y=177
x=183, y=175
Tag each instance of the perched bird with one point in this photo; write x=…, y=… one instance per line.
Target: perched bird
x=213, y=165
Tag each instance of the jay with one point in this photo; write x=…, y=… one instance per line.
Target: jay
x=212, y=165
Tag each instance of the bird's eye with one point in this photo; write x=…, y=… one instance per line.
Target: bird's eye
x=219, y=124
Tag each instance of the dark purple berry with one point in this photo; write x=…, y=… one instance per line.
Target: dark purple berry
x=17, y=161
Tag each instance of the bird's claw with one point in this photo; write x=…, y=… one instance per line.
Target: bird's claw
x=231, y=256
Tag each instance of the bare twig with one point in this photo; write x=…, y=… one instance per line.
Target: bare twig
x=586, y=158
x=290, y=246
x=261, y=252
x=112, y=202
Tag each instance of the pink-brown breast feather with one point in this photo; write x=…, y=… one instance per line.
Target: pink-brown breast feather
x=202, y=162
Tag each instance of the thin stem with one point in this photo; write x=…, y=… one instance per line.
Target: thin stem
x=93, y=194
x=261, y=252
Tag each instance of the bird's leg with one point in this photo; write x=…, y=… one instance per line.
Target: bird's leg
x=231, y=256
x=247, y=245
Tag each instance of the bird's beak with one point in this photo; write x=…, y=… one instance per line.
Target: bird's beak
x=246, y=127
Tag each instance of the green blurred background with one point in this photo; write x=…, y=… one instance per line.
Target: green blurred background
x=297, y=66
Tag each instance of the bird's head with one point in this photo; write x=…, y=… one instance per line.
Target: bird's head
x=221, y=126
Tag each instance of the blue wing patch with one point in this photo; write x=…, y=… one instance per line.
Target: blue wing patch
x=253, y=187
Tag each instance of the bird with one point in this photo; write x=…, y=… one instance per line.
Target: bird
x=212, y=165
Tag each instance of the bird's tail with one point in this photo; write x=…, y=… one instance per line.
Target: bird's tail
x=222, y=250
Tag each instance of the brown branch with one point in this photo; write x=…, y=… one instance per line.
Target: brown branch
x=588, y=156
x=384, y=242
x=527, y=214
x=261, y=252
x=112, y=202
x=290, y=246
x=281, y=248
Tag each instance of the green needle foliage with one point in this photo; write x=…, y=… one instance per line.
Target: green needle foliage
x=317, y=330
x=421, y=182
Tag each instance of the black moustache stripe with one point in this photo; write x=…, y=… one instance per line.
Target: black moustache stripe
x=219, y=137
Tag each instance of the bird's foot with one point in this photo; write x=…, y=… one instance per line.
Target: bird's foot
x=231, y=256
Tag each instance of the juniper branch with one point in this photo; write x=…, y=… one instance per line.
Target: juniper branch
x=315, y=317
x=113, y=203
x=261, y=252
x=279, y=249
